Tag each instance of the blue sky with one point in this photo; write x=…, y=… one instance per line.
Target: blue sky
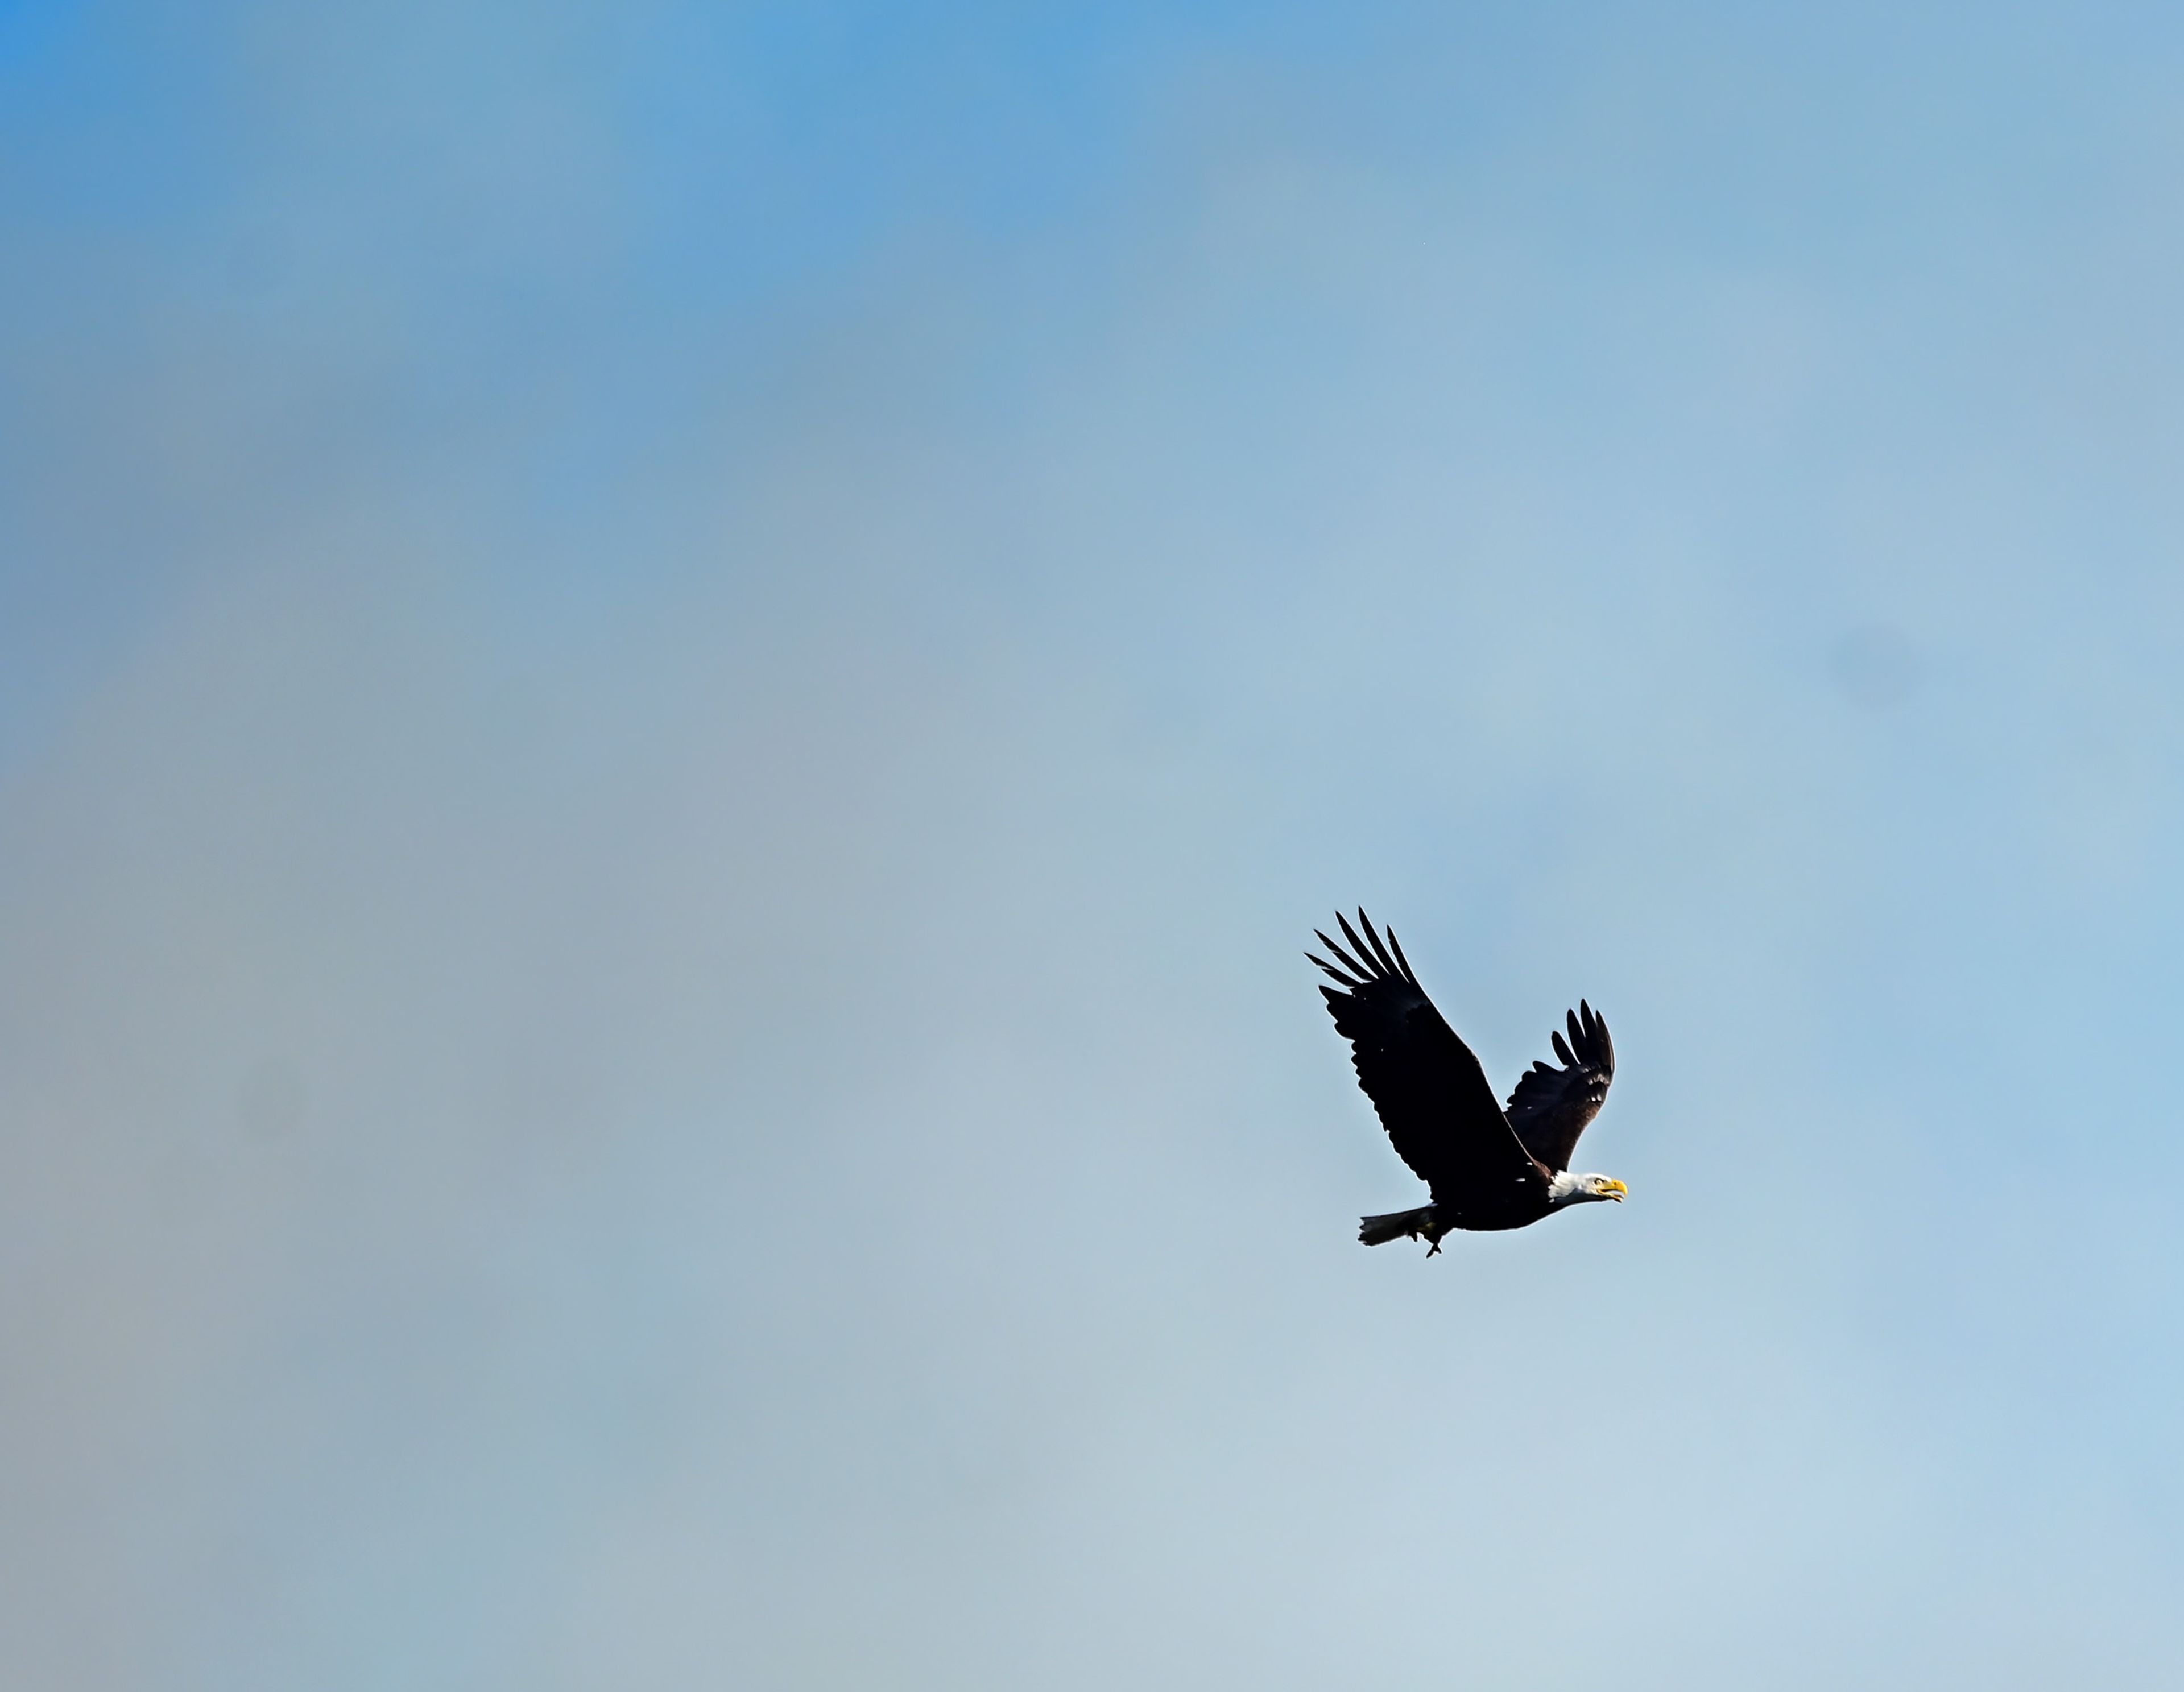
x=680, y=684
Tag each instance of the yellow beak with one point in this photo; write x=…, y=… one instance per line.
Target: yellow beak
x=1613, y=1189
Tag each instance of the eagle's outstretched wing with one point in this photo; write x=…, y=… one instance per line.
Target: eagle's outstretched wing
x=1433, y=1097
x=1551, y=1107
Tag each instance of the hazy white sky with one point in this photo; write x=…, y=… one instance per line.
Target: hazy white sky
x=677, y=685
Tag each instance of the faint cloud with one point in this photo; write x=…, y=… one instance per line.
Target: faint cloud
x=271, y=1102
x=1875, y=666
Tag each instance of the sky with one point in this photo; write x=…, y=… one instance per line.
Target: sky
x=678, y=686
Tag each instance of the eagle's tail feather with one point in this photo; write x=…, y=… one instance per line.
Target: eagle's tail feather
x=1379, y=1230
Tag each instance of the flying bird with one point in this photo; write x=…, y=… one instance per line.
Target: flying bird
x=1489, y=1167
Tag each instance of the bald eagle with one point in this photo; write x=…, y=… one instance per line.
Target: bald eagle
x=1488, y=1167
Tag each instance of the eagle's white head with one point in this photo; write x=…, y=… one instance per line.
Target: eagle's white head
x=1567, y=1189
